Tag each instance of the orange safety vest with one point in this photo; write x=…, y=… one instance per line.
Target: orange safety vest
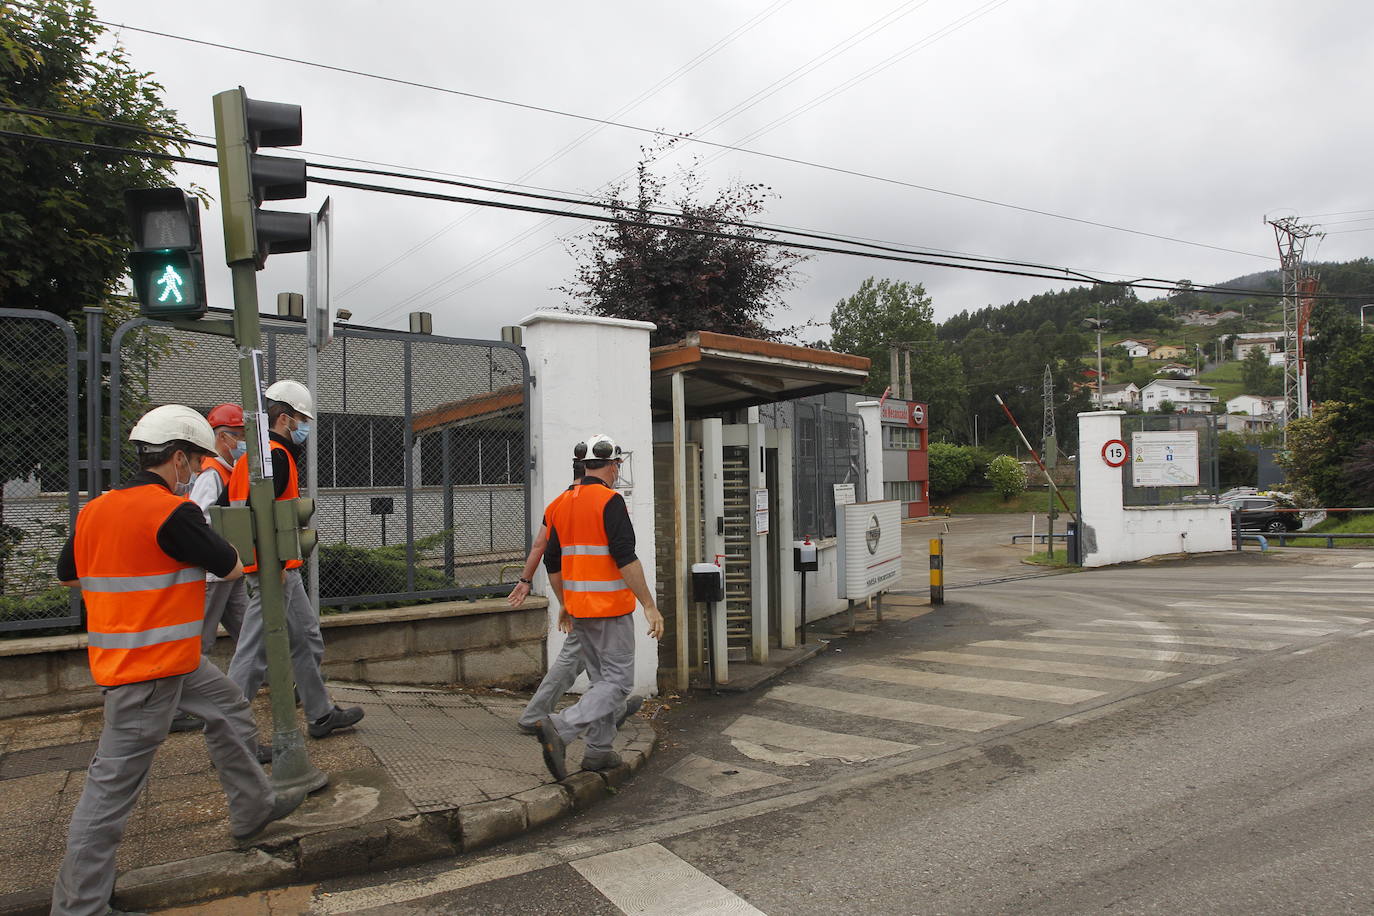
x=210, y=463
x=238, y=491
x=592, y=584
x=143, y=608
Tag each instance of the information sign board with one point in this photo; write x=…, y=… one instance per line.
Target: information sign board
x=1164, y=459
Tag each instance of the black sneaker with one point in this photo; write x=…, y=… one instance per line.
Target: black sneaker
x=185, y=722
x=286, y=802
x=632, y=704
x=555, y=750
x=597, y=762
x=264, y=754
x=340, y=717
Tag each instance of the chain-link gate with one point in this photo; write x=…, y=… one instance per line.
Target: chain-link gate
x=39, y=466
x=422, y=449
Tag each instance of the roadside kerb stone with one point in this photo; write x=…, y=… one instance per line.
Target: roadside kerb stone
x=487, y=823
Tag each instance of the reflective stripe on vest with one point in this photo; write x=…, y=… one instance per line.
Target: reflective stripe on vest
x=144, y=609
x=238, y=492
x=592, y=584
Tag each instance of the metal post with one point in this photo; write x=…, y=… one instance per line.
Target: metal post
x=408, y=442
x=94, y=479
x=680, y=561
x=937, y=570
x=312, y=444
x=445, y=440
x=802, y=616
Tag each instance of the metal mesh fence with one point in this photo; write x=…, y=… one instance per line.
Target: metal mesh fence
x=421, y=450
x=828, y=448
x=38, y=466
x=1198, y=427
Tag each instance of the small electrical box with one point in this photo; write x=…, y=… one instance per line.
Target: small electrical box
x=708, y=582
x=804, y=556
x=235, y=525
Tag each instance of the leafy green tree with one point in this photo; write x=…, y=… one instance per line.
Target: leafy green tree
x=1236, y=464
x=1316, y=451
x=672, y=274
x=887, y=312
x=950, y=467
x=1258, y=377
x=1167, y=406
x=63, y=237
x=1007, y=476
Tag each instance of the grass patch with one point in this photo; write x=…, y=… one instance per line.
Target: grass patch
x=1060, y=560
x=988, y=502
x=1226, y=379
x=1344, y=523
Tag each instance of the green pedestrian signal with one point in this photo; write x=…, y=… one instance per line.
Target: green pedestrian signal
x=165, y=263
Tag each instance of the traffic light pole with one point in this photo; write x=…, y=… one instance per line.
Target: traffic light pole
x=290, y=764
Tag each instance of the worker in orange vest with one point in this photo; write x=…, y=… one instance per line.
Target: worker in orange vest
x=225, y=601
x=290, y=408
x=594, y=573
x=139, y=555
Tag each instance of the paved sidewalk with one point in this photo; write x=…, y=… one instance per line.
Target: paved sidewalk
x=427, y=773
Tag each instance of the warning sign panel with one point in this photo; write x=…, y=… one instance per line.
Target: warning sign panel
x=1164, y=459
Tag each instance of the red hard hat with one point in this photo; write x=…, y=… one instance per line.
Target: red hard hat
x=225, y=415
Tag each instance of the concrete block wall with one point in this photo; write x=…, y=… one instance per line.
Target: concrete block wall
x=473, y=643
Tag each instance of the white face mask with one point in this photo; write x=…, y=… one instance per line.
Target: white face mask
x=184, y=489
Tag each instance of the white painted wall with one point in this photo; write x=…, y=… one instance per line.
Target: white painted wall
x=591, y=375
x=1113, y=533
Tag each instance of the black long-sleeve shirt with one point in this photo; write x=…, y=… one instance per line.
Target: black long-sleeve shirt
x=183, y=536
x=620, y=533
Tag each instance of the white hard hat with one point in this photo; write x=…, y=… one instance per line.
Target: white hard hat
x=598, y=448
x=291, y=392
x=173, y=423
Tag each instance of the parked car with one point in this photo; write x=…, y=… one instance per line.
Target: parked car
x=1260, y=513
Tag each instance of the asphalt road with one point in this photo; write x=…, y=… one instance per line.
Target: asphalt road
x=1179, y=737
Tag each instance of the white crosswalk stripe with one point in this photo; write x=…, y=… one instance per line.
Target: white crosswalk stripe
x=1156, y=655
x=968, y=720
x=650, y=881
x=1214, y=609
x=1139, y=675
x=813, y=741
x=1239, y=627
x=1218, y=642
x=1017, y=690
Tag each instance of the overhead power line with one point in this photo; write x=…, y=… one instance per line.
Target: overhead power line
x=1151, y=283
x=542, y=109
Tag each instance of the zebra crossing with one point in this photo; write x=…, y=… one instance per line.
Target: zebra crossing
x=1088, y=654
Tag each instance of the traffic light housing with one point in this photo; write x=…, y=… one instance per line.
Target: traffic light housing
x=165, y=261
x=242, y=127
x=295, y=541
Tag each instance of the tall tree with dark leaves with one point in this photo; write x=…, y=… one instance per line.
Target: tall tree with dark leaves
x=63, y=238
x=688, y=270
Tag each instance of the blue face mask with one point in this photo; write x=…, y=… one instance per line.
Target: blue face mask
x=238, y=451
x=300, y=433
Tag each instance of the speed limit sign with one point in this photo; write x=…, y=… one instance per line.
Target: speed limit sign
x=1115, y=453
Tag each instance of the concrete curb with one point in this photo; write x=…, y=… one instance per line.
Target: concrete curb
x=353, y=850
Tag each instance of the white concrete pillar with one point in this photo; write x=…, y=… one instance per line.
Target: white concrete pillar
x=783, y=525
x=758, y=545
x=1101, y=508
x=869, y=412
x=713, y=509
x=591, y=375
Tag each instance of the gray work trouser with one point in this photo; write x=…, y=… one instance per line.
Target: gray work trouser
x=225, y=602
x=566, y=666
x=137, y=717
x=249, y=666
x=608, y=651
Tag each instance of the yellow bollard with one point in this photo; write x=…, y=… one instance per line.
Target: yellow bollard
x=937, y=570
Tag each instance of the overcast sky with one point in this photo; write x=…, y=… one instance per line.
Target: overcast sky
x=1192, y=119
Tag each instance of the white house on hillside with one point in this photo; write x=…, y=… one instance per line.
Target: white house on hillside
x=1122, y=397
x=1134, y=347
x=1255, y=406
x=1188, y=397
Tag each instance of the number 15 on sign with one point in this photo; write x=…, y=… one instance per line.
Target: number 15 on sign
x=1115, y=453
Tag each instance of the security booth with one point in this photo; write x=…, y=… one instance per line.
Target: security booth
x=905, y=428
x=748, y=435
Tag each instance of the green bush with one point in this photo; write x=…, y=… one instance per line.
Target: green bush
x=1007, y=476
x=950, y=467
x=52, y=603
x=349, y=570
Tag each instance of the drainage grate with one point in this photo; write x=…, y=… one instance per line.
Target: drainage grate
x=47, y=760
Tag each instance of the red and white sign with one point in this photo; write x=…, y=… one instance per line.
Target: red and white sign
x=1115, y=453
x=903, y=413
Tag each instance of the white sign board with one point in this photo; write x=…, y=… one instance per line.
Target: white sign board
x=870, y=548
x=1164, y=459
x=844, y=494
x=760, y=512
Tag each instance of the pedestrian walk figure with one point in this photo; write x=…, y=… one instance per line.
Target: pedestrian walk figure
x=170, y=281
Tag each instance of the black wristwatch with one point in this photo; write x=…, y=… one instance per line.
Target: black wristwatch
x=526, y=581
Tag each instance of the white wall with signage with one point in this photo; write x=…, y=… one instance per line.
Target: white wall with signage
x=870, y=548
